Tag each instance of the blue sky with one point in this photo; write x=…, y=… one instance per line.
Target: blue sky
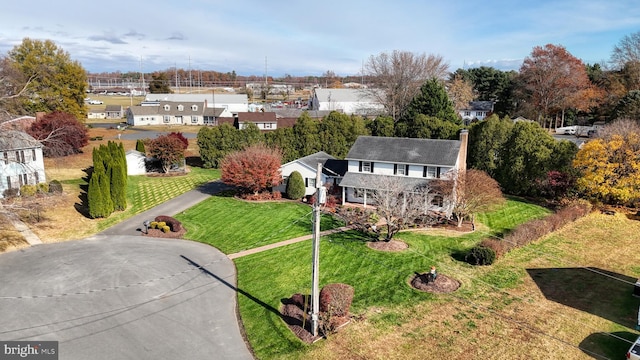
x=310, y=38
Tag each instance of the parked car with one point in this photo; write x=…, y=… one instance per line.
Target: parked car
x=634, y=351
x=95, y=102
x=570, y=131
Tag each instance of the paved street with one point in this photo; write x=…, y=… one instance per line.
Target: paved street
x=120, y=295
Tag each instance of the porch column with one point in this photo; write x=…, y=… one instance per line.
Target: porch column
x=343, y=195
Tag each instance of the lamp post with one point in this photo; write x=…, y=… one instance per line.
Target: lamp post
x=146, y=224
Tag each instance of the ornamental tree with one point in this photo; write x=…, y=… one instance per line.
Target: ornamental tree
x=295, y=186
x=168, y=149
x=60, y=133
x=253, y=169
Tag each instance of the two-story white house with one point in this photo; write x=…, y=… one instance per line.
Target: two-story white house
x=21, y=161
x=477, y=110
x=414, y=162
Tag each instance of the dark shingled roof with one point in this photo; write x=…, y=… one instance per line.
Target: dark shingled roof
x=405, y=150
x=371, y=181
x=330, y=165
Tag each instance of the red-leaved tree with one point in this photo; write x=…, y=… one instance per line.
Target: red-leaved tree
x=183, y=140
x=60, y=133
x=168, y=149
x=255, y=168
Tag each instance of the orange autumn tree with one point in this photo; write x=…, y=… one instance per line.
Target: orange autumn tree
x=553, y=80
x=253, y=169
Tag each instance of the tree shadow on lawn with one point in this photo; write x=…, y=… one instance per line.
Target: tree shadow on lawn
x=82, y=206
x=596, y=291
x=217, y=188
x=604, y=345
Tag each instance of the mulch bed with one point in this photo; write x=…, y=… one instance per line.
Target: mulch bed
x=392, y=245
x=442, y=285
x=157, y=233
x=293, y=314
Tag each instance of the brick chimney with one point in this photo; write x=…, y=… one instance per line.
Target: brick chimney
x=462, y=154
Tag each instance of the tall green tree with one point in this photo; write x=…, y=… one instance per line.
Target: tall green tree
x=57, y=82
x=216, y=142
x=432, y=100
x=283, y=139
x=306, y=131
x=140, y=146
x=382, y=126
x=249, y=135
x=430, y=127
x=159, y=83
x=525, y=158
x=336, y=134
x=486, y=139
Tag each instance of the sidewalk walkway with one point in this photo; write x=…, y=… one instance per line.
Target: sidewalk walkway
x=286, y=242
x=24, y=230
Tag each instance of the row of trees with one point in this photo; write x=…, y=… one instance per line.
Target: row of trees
x=108, y=183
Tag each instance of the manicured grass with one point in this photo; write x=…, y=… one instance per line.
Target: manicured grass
x=145, y=192
x=380, y=278
x=233, y=225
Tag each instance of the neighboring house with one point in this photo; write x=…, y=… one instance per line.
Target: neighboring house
x=136, y=162
x=264, y=120
x=114, y=112
x=332, y=171
x=21, y=161
x=173, y=113
x=412, y=161
x=521, y=119
x=231, y=103
x=21, y=123
x=348, y=101
x=96, y=114
x=477, y=110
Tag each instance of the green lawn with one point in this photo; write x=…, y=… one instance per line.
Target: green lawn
x=233, y=225
x=145, y=192
x=379, y=278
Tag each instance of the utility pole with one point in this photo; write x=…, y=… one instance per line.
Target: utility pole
x=315, y=291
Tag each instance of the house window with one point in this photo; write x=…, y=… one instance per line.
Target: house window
x=180, y=107
x=165, y=119
x=310, y=182
x=194, y=107
x=437, y=201
x=267, y=125
x=8, y=182
x=194, y=119
x=366, y=166
x=6, y=157
x=20, y=156
x=37, y=177
x=467, y=113
x=209, y=120
x=33, y=154
x=167, y=107
x=431, y=172
x=399, y=169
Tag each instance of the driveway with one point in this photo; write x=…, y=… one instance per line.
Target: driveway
x=119, y=295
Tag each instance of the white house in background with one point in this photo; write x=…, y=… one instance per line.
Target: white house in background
x=477, y=110
x=332, y=171
x=265, y=121
x=96, y=114
x=173, y=113
x=413, y=162
x=136, y=162
x=21, y=161
x=348, y=101
x=231, y=103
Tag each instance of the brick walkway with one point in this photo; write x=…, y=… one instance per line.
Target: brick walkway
x=286, y=242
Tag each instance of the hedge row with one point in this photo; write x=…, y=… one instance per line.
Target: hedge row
x=533, y=230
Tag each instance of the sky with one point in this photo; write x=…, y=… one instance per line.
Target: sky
x=309, y=38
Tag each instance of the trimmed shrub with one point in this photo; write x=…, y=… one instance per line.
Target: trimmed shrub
x=480, y=255
x=295, y=186
x=55, y=186
x=10, y=193
x=161, y=224
x=500, y=247
x=153, y=225
x=42, y=188
x=28, y=190
x=336, y=299
x=140, y=146
x=276, y=195
x=174, y=224
x=165, y=229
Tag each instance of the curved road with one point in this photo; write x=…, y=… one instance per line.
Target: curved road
x=118, y=295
